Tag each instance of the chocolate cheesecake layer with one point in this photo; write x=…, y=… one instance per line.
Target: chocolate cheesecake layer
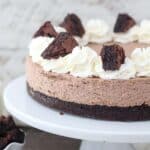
x=135, y=113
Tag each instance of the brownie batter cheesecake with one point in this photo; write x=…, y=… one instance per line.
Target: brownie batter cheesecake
x=92, y=70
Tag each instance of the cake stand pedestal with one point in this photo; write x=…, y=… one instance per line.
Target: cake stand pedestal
x=96, y=134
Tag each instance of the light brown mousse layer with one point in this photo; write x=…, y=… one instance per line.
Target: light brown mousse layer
x=90, y=91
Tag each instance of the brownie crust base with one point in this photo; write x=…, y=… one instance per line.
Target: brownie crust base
x=136, y=113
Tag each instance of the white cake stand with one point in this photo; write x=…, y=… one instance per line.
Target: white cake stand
x=96, y=134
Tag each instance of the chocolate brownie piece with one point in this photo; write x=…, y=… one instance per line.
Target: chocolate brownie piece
x=112, y=56
x=73, y=25
x=123, y=23
x=6, y=123
x=9, y=132
x=46, y=30
x=61, y=46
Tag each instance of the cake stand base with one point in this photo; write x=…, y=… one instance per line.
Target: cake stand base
x=108, y=135
x=88, y=145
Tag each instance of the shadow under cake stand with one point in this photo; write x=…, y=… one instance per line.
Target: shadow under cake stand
x=95, y=134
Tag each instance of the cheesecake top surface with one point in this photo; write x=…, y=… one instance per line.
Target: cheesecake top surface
x=94, y=49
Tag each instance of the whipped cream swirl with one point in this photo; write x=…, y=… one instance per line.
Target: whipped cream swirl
x=141, y=59
x=126, y=71
x=37, y=46
x=129, y=36
x=97, y=31
x=144, y=32
x=82, y=61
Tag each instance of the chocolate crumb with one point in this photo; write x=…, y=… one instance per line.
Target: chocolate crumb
x=61, y=46
x=112, y=56
x=123, y=23
x=9, y=132
x=103, y=112
x=61, y=113
x=46, y=30
x=73, y=25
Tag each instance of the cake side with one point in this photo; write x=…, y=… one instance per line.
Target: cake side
x=95, y=91
x=134, y=113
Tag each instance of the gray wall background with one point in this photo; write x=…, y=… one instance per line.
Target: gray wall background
x=20, y=18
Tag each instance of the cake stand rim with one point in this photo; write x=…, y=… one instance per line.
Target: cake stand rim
x=72, y=132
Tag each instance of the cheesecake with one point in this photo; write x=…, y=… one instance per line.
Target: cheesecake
x=91, y=70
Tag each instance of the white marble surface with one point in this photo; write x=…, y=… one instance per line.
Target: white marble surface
x=20, y=18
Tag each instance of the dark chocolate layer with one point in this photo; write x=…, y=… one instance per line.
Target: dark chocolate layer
x=136, y=113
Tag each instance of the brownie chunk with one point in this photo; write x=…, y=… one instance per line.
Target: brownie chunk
x=9, y=132
x=112, y=56
x=73, y=25
x=61, y=46
x=6, y=123
x=46, y=30
x=123, y=23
